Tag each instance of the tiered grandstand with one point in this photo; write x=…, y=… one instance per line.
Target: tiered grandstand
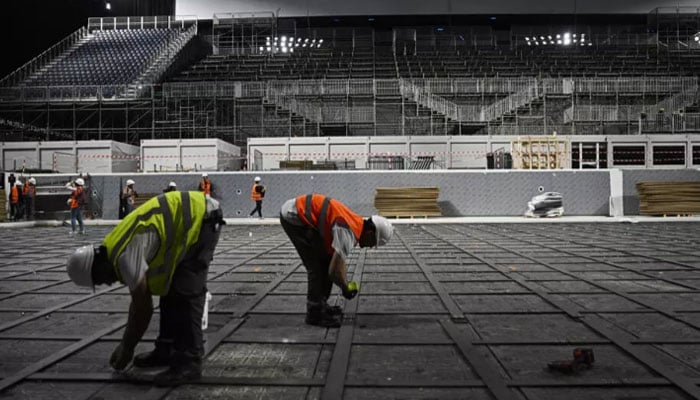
x=138, y=78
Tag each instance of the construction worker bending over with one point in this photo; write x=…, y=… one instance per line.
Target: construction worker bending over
x=76, y=201
x=163, y=248
x=324, y=231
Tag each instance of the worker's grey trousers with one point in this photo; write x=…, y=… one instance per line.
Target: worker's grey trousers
x=312, y=251
x=182, y=308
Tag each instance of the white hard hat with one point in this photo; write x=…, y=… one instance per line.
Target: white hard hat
x=204, y=174
x=172, y=184
x=32, y=181
x=129, y=182
x=384, y=229
x=79, y=182
x=18, y=183
x=257, y=179
x=79, y=266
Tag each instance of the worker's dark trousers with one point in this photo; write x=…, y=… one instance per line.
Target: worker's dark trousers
x=258, y=208
x=182, y=308
x=309, y=245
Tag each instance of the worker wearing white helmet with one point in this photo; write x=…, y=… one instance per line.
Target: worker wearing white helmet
x=257, y=193
x=205, y=185
x=29, y=195
x=163, y=248
x=171, y=187
x=78, y=198
x=128, y=197
x=324, y=231
x=16, y=200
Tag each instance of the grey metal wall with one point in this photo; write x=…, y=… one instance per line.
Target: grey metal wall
x=631, y=177
x=462, y=193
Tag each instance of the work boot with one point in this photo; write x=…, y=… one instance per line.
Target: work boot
x=317, y=314
x=324, y=320
x=151, y=359
x=334, y=310
x=178, y=375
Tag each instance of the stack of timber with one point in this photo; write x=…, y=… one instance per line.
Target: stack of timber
x=144, y=197
x=669, y=198
x=407, y=202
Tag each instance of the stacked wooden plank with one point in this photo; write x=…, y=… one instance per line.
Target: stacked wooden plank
x=669, y=198
x=407, y=202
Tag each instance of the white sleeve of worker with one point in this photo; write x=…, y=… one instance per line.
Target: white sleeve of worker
x=343, y=240
x=133, y=262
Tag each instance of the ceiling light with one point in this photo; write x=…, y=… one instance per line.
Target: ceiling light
x=108, y=5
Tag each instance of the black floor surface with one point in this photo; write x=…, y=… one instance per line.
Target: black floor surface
x=462, y=311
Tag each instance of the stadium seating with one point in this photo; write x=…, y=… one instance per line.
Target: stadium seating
x=108, y=57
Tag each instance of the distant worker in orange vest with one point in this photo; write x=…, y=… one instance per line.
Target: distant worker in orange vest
x=205, y=185
x=29, y=194
x=16, y=201
x=257, y=193
x=78, y=198
x=129, y=196
x=324, y=231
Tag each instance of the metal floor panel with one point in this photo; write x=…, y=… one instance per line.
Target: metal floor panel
x=448, y=311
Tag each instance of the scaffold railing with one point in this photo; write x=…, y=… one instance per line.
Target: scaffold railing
x=601, y=113
x=512, y=102
x=633, y=84
x=677, y=102
x=141, y=22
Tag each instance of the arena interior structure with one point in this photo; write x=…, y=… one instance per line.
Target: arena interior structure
x=587, y=99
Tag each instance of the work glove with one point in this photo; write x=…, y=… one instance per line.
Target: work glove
x=350, y=291
x=121, y=357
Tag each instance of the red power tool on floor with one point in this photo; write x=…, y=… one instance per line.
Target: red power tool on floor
x=583, y=359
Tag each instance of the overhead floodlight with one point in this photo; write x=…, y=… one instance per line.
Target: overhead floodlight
x=262, y=48
x=291, y=49
x=306, y=40
x=276, y=38
x=697, y=37
x=527, y=38
x=269, y=48
x=567, y=39
x=108, y=5
x=284, y=49
x=319, y=46
x=559, y=41
x=291, y=39
x=549, y=37
x=303, y=45
x=558, y=36
x=283, y=39
x=574, y=35
x=541, y=37
x=590, y=43
x=551, y=42
x=320, y=40
x=267, y=38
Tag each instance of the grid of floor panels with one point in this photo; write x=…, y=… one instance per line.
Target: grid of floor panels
x=444, y=312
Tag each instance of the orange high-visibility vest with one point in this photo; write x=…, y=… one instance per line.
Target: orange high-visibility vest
x=254, y=195
x=75, y=196
x=322, y=212
x=27, y=189
x=14, y=195
x=205, y=186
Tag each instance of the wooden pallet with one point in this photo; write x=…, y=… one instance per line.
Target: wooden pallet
x=669, y=198
x=412, y=202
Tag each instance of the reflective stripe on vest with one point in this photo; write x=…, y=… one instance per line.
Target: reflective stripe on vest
x=328, y=212
x=177, y=217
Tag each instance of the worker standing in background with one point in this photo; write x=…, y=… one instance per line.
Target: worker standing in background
x=129, y=196
x=171, y=187
x=29, y=194
x=76, y=201
x=205, y=184
x=15, y=200
x=324, y=231
x=257, y=193
x=164, y=249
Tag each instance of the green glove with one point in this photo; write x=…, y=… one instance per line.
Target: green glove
x=351, y=290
